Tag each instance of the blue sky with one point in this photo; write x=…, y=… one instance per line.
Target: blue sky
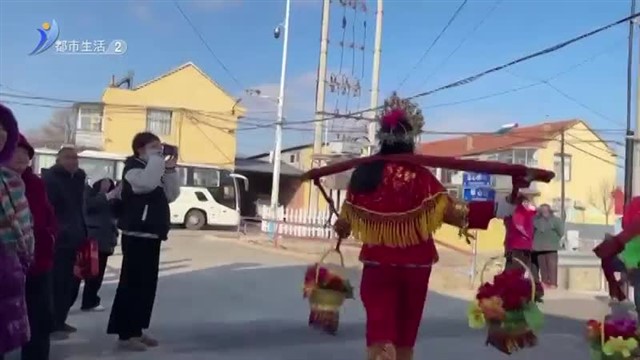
x=240, y=33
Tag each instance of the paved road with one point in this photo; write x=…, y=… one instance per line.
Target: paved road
x=220, y=300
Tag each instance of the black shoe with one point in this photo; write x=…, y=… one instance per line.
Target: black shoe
x=69, y=329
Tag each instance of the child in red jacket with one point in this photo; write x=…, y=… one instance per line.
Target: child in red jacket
x=39, y=282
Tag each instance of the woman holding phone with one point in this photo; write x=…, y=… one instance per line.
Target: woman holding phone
x=150, y=182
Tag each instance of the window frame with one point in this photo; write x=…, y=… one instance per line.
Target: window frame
x=99, y=114
x=568, y=166
x=157, y=125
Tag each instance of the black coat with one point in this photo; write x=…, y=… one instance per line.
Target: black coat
x=101, y=221
x=66, y=193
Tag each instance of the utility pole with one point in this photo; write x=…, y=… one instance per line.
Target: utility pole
x=636, y=143
x=320, y=93
x=563, y=194
x=375, y=79
x=277, y=151
x=629, y=142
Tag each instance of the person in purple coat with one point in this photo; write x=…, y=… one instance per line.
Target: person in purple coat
x=16, y=242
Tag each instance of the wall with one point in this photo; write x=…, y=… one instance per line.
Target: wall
x=202, y=124
x=593, y=175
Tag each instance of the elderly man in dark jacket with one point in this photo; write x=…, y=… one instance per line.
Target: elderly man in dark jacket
x=65, y=183
x=101, y=224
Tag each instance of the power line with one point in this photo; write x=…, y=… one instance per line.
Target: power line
x=470, y=79
x=534, y=84
x=206, y=44
x=475, y=77
x=566, y=96
x=462, y=42
x=536, y=54
x=434, y=42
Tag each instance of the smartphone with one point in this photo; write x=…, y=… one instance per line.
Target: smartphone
x=169, y=150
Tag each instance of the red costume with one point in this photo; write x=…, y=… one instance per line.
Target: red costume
x=613, y=245
x=394, y=205
x=395, y=220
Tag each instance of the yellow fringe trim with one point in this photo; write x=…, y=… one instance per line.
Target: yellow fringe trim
x=397, y=229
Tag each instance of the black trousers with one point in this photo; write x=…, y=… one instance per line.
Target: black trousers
x=522, y=255
x=65, y=285
x=545, y=267
x=90, y=298
x=136, y=293
x=39, y=298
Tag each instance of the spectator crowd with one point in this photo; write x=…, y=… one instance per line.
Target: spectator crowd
x=46, y=223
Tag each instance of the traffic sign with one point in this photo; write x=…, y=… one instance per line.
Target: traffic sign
x=475, y=180
x=478, y=194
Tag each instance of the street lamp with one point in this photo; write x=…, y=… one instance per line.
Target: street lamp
x=506, y=128
x=277, y=149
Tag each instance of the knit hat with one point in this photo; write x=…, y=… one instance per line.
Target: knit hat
x=23, y=143
x=10, y=125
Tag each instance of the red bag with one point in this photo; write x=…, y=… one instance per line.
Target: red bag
x=86, y=266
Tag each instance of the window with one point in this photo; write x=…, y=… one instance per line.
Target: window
x=43, y=161
x=293, y=158
x=97, y=169
x=557, y=165
x=206, y=177
x=90, y=119
x=159, y=121
x=201, y=196
x=182, y=174
x=506, y=157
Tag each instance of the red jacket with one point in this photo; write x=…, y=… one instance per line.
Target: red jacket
x=519, y=228
x=44, y=222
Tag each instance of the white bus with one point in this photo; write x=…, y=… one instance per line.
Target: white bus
x=208, y=196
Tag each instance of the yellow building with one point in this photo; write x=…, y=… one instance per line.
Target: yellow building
x=589, y=167
x=184, y=107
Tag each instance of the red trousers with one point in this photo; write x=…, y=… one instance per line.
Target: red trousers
x=394, y=298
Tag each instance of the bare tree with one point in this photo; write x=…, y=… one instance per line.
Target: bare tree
x=58, y=131
x=602, y=198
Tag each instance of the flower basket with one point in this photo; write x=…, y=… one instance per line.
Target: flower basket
x=508, y=309
x=326, y=291
x=613, y=339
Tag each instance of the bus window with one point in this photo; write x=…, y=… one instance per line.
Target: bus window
x=97, y=169
x=119, y=170
x=206, y=177
x=182, y=173
x=43, y=161
x=225, y=193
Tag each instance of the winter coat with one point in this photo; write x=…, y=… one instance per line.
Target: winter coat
x=45, y=225
x=101, y=223
x=548, y=233
x=16, y=246
x=519, y=228
x=66, y=193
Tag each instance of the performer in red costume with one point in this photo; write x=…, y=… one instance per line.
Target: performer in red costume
x=394, y=209
x=613, y=245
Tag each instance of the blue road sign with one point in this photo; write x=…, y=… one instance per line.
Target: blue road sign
x=478, y=194
x=475, y=180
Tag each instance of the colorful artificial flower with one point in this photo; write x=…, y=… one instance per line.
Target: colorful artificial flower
x=594, y=329
x=475, y=316
x=620, y=345
x=492, y=309
x=486, y=290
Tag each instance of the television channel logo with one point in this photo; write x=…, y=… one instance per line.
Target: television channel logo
x=49, y=33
